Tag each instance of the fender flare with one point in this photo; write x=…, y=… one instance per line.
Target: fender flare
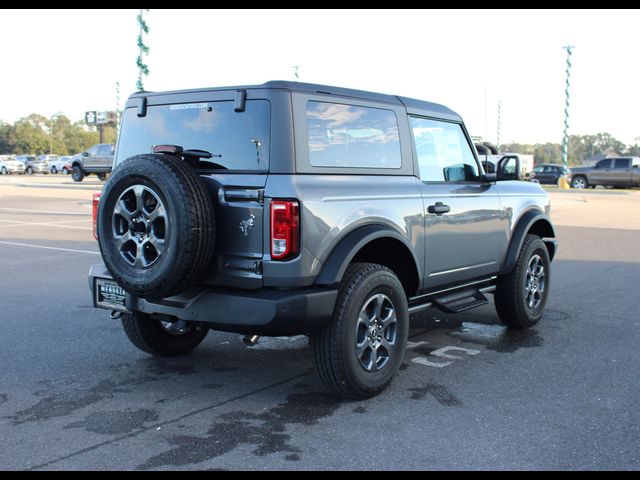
x=340, y=257
x=526, y=221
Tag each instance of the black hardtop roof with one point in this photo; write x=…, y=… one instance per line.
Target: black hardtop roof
x=410, y=103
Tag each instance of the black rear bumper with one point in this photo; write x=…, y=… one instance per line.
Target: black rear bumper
x=264, y=311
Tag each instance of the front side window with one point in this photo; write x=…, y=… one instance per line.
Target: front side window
x=604, y=164
x=236, y=140
x=538, y=169
x=444, y=155
x=349, y=136
x=104, y=150
x=93, y=151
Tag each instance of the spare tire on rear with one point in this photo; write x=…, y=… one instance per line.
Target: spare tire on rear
x=156, y=225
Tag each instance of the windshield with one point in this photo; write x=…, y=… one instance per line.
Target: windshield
x=236, y=140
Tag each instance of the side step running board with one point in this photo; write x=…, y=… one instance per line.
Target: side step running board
x=460, y=301
x=452, y=301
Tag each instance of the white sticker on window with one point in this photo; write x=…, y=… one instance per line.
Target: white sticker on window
x=187, y=106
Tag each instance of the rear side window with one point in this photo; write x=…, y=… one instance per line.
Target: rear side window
x=351, y=136
x=444, y=155
x=622, y=163
x=237, y=140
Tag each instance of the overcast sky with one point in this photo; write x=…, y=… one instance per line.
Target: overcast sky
x=68, y=61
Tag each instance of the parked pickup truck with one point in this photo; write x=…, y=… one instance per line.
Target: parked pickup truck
x=98, y=159
x=616, y=172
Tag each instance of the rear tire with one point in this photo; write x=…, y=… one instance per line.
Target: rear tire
x=101, y=176
x=29, y=171
x=54, y=170
x=151, y=336
x=4, y=171
x=357, y=353
x=521, y=295
x=77, y=174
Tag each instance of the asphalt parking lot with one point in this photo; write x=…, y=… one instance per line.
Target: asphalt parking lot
x=75, y=394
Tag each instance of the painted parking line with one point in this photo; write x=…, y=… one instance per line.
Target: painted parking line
x=44, y=247
x=50, y=212
x=17, y=223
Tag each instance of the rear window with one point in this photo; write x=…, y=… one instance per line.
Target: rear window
x=237, y=140
x=351, y=136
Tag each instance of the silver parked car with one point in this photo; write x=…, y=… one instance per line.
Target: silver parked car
x=9, y=164
x=56, y=165
x=33, y=164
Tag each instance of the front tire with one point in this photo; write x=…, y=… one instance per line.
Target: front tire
x=29, y=171
x=101, y=176
x=158, y=338
x=359, y=351
x=77, y=174
x=4, y=171
x=521, y=295
x=579, y=182
x=54, y=170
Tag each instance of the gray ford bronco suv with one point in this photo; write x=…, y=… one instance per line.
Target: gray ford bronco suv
x=290, y=208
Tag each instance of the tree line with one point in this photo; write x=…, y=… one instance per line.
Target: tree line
x=581, y=148
x=37, y=134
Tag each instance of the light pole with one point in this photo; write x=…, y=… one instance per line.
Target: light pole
x=143, y=69
x=565, y=137
x=117, y=107
x=562, y=181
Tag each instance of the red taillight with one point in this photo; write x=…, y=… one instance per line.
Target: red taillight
x=94, y=203
x=285, y=229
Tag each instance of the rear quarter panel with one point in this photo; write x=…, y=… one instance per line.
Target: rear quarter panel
x=333, y=206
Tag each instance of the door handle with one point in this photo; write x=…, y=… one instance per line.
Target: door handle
x=439, y=208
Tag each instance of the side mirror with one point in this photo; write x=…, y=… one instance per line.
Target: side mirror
x=508, y=168
x=85, y=154
x=490, y=177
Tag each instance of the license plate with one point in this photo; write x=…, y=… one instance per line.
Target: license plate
x=110, y=295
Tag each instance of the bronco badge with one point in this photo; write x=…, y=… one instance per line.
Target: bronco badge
x=247, y=225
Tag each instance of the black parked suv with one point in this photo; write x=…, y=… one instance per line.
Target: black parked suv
x=549, y=174
x=290, y=208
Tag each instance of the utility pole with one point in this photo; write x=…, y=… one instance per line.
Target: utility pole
x=143, y=49
x=485, y=114
x=565, y=135
x=498, y=132
x=53, y=118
